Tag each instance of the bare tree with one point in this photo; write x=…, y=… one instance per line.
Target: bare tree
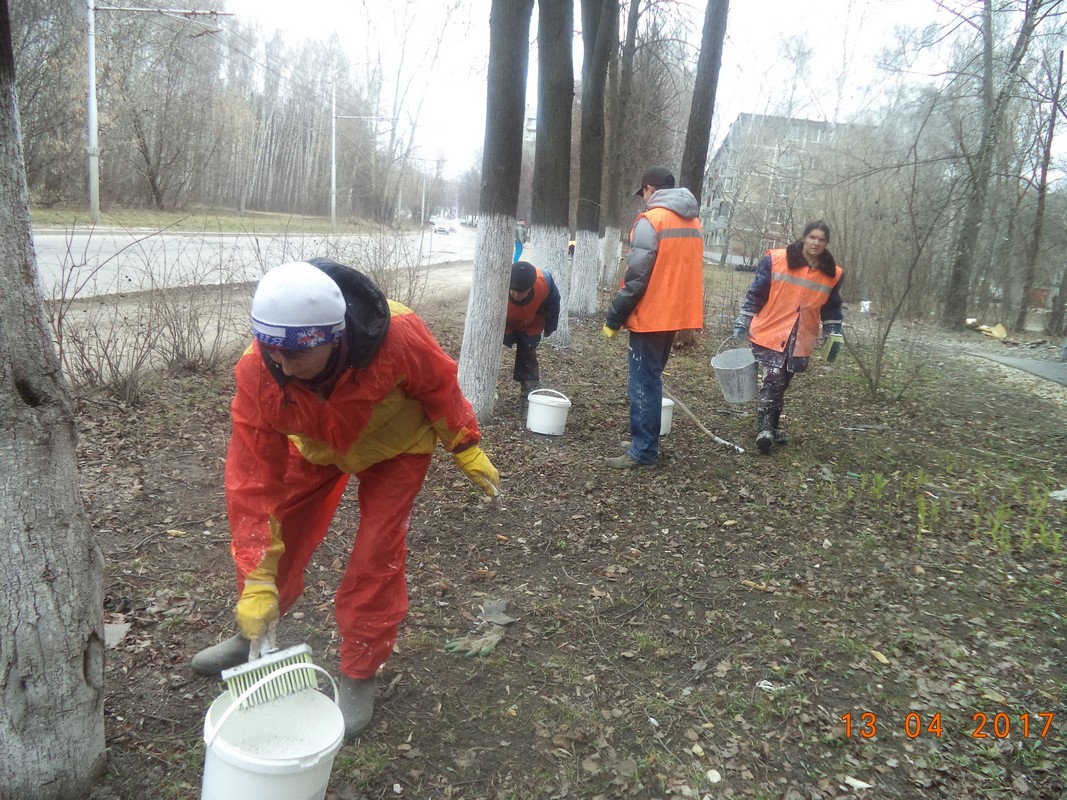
x=51, y=575
x=619, y=99
x=552, y=155
x=600, y=21
x=698, y=134
x=483, y=331
x=996, y=92
x=1030, y=262
x=51, y=88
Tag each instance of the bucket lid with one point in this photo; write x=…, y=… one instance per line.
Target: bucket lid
x=548, y=397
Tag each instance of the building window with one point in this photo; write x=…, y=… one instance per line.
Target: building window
x=816, y=135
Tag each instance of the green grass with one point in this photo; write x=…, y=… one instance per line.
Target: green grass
x=202, y=220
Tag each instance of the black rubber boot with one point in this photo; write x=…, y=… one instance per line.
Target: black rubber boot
x=356, y=700
x=224, y=655
x=780, y=436
x=765, y=434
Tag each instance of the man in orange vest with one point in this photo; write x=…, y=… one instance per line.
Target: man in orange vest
x=661, y=293
x=533, y=310
x=793, y=291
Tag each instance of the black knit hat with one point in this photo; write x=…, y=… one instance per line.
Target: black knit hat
x=657, y=177
x=523, y=275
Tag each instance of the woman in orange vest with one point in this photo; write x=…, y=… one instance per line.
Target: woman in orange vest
x=794, y=290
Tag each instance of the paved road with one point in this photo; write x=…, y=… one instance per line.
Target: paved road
x=113, y=261
x=1049, y=370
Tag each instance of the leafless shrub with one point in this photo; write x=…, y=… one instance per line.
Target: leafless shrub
x=184, y=301
x=394, y=260
x=108, y=346
x=888, y=372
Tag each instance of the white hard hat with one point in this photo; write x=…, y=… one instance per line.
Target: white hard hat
x=297, y=306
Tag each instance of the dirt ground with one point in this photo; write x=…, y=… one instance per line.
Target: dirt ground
x=875, y=610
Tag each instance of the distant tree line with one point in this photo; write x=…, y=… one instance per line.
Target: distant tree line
x=201, y=112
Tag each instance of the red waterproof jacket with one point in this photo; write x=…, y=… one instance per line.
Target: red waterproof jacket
x=403, y=399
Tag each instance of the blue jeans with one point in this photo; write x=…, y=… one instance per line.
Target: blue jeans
x=518, y=252
x=644, y=386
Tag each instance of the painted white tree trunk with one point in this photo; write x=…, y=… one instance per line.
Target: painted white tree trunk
x=483, y=330
x=550, y=247
x=51, y=571
x=610, y=253
x=583, y=300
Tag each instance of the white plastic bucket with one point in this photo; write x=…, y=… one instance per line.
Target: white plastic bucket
x=666, y=416
x=736, y=372
x=546, y=411
x=282, y=749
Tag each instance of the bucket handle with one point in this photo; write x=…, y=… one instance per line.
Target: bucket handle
x=211, y=732
x=549, y=391
x=724, y=341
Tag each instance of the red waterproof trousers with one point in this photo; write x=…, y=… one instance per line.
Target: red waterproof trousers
x=372, y=598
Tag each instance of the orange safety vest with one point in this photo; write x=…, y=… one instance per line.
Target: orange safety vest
x=674, y=297
x=794, y=293
x=525, y=317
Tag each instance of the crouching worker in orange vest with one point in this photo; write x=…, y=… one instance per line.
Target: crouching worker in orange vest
x=339, y=381
x=794, y=291
x=533, y=310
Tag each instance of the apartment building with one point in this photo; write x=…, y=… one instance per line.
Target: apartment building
x=760, y=183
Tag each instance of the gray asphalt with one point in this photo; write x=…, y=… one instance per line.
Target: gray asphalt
x=1049, y=370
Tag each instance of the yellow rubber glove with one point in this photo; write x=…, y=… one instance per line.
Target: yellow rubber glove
x=257, y=614
x=609, y=332
x=479, y=469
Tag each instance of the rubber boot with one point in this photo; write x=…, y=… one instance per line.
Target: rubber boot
x=765, y=434
x=780, y=436
x=224, y=655
x=356, y=701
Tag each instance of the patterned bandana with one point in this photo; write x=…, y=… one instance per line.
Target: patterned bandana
x=296, y=337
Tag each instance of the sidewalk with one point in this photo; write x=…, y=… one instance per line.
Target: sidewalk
x=1049, y=370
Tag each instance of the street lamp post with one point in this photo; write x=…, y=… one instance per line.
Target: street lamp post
x=91, y=115
x=334, y=116
x=94, y=149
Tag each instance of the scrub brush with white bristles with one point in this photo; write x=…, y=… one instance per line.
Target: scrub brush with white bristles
x=242, y=678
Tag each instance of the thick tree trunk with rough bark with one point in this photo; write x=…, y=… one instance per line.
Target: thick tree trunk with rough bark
x=552, y=157
x=600, y=35
x=51, y=573
x=483, y=332
x=611, y=245
x=698, y=133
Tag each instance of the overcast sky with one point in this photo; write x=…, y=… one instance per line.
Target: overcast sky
x=845, y=35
